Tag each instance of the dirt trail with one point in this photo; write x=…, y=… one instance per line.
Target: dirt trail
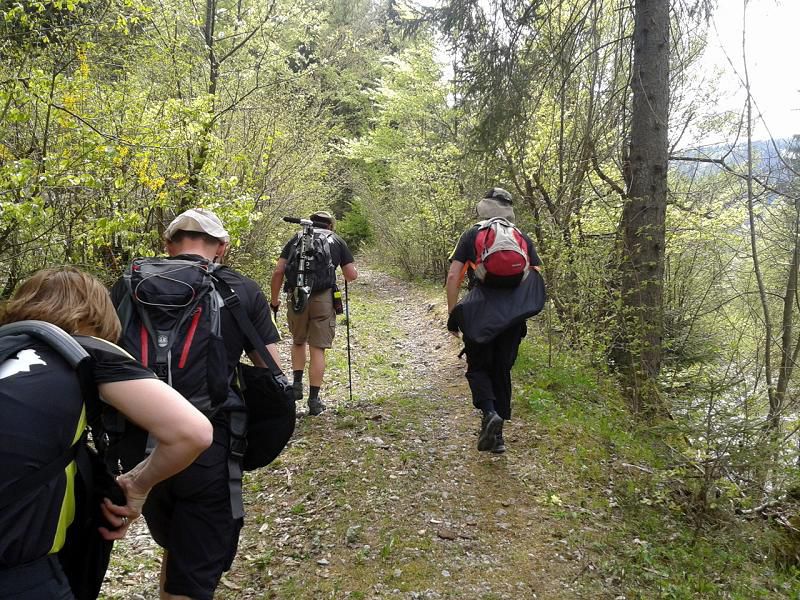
x=387, y=496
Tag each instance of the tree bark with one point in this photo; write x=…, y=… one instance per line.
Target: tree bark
x=197, y=160
x=643, y=218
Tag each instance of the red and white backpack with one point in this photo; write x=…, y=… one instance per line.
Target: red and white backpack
x=501, y=253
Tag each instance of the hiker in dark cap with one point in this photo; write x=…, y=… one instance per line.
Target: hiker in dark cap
x=315, y=325
x=505, y=289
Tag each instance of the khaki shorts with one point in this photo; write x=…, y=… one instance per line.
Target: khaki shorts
x=317, y=323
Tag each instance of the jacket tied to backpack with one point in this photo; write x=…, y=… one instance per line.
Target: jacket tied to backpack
x=485, y=311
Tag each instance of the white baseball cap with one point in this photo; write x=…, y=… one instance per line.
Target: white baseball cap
x=197, y=219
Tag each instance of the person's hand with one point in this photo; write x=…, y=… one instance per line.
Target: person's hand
x=121, y=517
x=134, y=492
x=275, y=307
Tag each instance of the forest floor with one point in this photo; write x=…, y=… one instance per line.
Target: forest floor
x=387, y=496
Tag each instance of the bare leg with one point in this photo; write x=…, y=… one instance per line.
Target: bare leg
x=299, y=357
x=316, y=371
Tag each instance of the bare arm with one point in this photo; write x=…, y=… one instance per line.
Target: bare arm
x=350, y=272
x=181, y=430
x=453, y=283
x=273, y=351
x=276, y=282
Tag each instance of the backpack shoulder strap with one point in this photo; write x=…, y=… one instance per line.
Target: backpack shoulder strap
x=246, y=326
x=53, y=336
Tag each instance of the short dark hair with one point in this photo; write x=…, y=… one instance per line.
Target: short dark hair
x=181, y=235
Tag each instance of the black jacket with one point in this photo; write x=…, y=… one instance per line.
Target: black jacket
x=485, y=312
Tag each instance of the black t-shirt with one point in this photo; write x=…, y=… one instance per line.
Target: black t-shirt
x=340, y=253
x=257, y=308
x=252, y=300
x=41, y=416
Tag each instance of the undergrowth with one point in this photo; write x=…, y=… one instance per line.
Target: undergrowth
x=636, y=525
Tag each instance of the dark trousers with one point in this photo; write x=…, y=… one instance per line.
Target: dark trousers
x=42, y=579
x=489, y=370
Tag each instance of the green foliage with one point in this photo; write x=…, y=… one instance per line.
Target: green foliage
x=354, y=226
x=407, y=171
x=109, y=128
x=653, y=545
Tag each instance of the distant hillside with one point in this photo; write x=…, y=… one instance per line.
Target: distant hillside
x=769, y=158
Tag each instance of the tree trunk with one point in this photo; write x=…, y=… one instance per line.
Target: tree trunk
x=644, y=213
x=197, y=160
x=788, y=354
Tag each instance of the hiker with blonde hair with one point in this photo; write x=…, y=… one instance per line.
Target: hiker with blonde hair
x=45, y=407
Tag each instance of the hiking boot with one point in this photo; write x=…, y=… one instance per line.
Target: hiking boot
x=490, y=424
x=315, y=406
x=297, y=386
x=499, y=442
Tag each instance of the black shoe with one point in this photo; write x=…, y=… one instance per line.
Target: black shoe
x=297, y=386
x=490, y=424
x=499, y=442
x=499, y=445
x=315, y=406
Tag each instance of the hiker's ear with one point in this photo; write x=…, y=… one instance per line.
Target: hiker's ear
x=221, y=250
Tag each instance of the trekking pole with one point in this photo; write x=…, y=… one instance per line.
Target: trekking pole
x=347, y=317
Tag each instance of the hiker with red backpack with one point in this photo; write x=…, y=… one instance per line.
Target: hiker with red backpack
x=505, y=289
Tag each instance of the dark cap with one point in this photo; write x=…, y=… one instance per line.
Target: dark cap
x=499, y=194
x=324, y=216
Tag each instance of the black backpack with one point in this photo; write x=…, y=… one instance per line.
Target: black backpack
x=85, y=554
x=320, y=271
x=171, y=322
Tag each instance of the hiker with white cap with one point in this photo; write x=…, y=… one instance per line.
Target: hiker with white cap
x=178, y=318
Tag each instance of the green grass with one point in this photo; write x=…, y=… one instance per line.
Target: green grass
x=648, y=548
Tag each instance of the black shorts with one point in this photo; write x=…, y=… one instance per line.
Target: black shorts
x=190, y=516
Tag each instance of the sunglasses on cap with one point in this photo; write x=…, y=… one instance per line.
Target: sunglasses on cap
x=499, y=194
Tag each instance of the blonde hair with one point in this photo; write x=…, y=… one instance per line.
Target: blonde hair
x=67, y=297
